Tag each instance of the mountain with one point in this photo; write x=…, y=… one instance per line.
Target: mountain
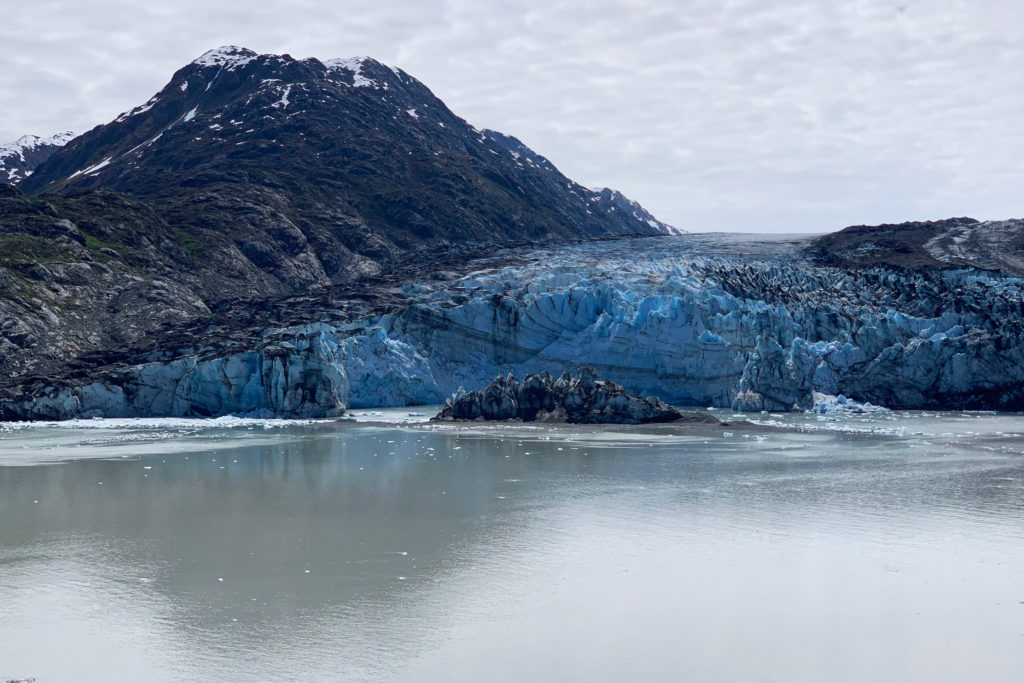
x=343, y=165
x=251, y=178
x=20, y=158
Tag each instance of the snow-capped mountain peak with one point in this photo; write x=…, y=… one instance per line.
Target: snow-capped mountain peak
x=376, y=143
x=229, y=57
x=19, y=158
x=35, y=141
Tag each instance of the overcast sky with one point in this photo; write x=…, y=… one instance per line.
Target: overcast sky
x=741, y=115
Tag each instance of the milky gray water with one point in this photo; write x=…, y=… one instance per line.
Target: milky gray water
x=865, y=549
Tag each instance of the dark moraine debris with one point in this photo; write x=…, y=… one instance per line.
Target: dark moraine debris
x=583, y=399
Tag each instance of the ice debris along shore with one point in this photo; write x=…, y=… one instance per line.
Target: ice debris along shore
x=729, y=321
x=583, y=399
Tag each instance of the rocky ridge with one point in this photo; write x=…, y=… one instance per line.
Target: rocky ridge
x=950, y=243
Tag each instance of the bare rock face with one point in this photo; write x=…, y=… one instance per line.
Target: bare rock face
x=583, y=399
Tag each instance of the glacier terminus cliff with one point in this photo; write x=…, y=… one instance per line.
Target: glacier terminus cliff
x=732, y=321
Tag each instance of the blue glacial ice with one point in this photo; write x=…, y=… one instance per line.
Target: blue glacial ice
x=694, y=320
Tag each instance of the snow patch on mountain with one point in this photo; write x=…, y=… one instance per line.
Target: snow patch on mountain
x=141, y=109
x=283, y=102
x=143, y=145
x=353, y=65
x=30, y=142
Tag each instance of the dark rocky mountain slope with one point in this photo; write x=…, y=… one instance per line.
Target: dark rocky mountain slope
x=320, y=172
x=255, y=177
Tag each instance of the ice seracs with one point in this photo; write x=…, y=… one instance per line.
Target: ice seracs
x=300, y=378
x=679, y=318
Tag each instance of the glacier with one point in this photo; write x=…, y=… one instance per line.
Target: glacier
x=741, y=322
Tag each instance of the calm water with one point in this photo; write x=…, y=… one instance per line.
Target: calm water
x=347, y=552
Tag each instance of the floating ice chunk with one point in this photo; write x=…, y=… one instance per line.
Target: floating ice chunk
x=829, y=405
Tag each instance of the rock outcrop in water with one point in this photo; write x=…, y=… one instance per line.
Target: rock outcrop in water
x=584, y=399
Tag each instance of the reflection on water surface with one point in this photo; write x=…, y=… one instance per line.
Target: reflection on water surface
x=343, y=551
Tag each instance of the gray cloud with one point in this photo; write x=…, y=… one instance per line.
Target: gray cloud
x=716, y=115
